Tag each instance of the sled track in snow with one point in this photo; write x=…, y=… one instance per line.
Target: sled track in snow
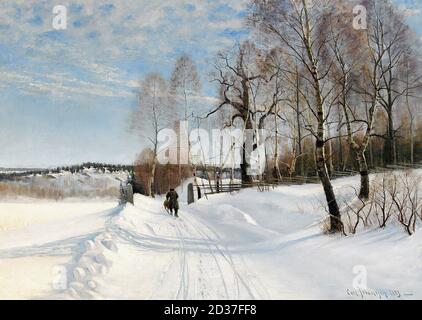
x=210, y=251
x=184, y=268
x=246, y=283
x=185, y=237
x=226, y=256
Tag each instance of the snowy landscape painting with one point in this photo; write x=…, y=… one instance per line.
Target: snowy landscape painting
x=211, y=150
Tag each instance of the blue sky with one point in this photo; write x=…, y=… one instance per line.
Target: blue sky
x=66, y=96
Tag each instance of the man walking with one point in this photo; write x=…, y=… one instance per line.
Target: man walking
x=173, y=204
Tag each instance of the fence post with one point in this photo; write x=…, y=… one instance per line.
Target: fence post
x=129, y=193
x=190, y=193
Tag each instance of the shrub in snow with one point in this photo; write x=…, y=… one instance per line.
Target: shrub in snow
x=394, y=199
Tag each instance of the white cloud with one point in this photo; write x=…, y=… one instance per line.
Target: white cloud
x=409, y=12
x=59, y=85
x=144, y=30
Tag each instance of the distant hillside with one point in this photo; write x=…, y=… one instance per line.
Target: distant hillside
x=84, y=181
x=13, y=173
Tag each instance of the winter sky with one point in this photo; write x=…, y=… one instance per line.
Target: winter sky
x=66, y=96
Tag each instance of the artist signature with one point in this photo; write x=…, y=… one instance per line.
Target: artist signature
x=369, y=293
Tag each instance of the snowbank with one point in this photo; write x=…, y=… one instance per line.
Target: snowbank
x=246, y=245
x=41, y=239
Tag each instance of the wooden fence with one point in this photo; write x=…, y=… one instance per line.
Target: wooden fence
x=212, y=187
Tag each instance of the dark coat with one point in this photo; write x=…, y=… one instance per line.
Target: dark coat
x=172, y=197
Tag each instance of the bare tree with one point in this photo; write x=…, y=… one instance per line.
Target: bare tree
x=407, y=200
x=234, y=79
x=152, y=115
x=398, y=194
x=184, y=86
x=412, y=80
x=359, y=70
x=184, y=83
x=393, y=37
x=297, y=26
x=358, y=212
x=250, y=88
x=385, y=187
x=290, y=96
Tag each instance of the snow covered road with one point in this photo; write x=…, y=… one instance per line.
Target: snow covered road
x=250, y=245
x=166, y=258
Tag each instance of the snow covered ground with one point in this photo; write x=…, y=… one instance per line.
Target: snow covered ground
x=38, y=239
x=89, y=183
x=249, y=245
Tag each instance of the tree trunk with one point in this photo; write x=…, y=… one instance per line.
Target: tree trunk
x=411, y=119
x=340, y=153
x=151, y=186
x=244, y=166
x=335, y=219
x=412, y=143
x=330, y=158
x=299, y=150
x=321, y=163
x=371, y=153
x=389, y=146
x=364, y=176
x=276, y=169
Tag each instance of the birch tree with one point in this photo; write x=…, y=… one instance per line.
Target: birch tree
x=151, y=116
x=184, y=86
x=358, y=59
x=297, y=27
